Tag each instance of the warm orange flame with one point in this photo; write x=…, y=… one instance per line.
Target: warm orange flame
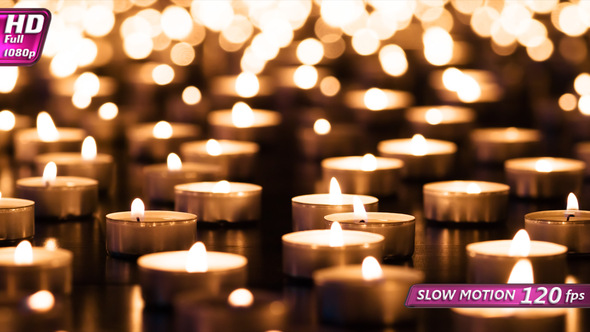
x=371, y=268
x=375, y=99
x=222, y=187
x=46, y=129
x=51, y=244
x=137, y=209
x=162, y=130
x=544, y=165
x=23, y=254
x=434, y=116
x=336, y=235
x=242, y=115
x=196, y=259
x=419, y=145
x=572, y=202
x=359, y=209
x=322, y=127
x=89, y=148
x=49, y=173
x=173, y=162
x=41, y=301
x=240, y=297
x=108, y=111
x=335, y=196
x=522, y=273
x=473, y=188
x=368, y=163
x=520, y=245
x=7, y=120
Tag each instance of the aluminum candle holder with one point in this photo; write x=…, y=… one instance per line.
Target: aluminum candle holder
x=28, y=145
x=17, y=219
x=568, y=228
x=236, y=159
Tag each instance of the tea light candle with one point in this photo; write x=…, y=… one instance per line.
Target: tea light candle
x=59, y=197
x=378, y=106
x=17, y=219
x=87, y=164
x=397, y=228
x=307, y=251
x=328, y=140
x=219, y=201
x=492, y=261
x=30, y=142
x=244, y=123
x=107, y=124
x=367, y=294
x=9, y=123
x=423, y=158
x=226, y=89
x=154, y=141
x=444, y=122
x=308, y=211
x=165, y=275
x=495, y=145
x=466, y=86
x=465, y=201
x=160, y=179
x=570, y=227
x=25, y=269
x=235, y=158
x=544, y=177
x=582, y=151
x=364, y=175
x=242, y=310
x=130, y=234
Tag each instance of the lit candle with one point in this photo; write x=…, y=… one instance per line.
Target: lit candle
x=308, y=211
x=25, y=269
x=495, y=145
x=466, y=86
x=240, y=310
x=397, y=228
x=367, y=294
x=325, y=139
x=307, y=251
x=17, y=219
x=544, y=177
x=244, y=123
x=220, y=201
x=59, y=197
x=237, y=159
x=154, y=141
x=138, y=232
x=423, y=158
x=364, y=175
x=491, y=261
x=444, y=122
x=378, y=106
x=165, y=275
x=87, y=164
x=160, y=179
x=226, y=89
x=570, y=227
x=31, y=142
x=465, y=201
x=9, y=123
x=107, y=124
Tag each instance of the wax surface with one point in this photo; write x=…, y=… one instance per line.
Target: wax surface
x=321, y=237
x=227, y=147
x=375, y=218
x=558, y=164
x=324, y=199
x=501, y=248
x=14, y=203
x=355, y=163
x=460, y=187
x=207, y=187
x=262, y=118
x=152, y=216
x=175, y=261
x=405, y=146
x=60, y=182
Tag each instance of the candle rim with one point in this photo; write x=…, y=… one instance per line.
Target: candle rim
x=472, y=249
x=375, y=218
x=66, y=134
x=417, y=113
x=187, y=167
x=520, y=164
x=342, y=273
x=218, y=117
x=179, y=130
x=385, y=147
x=82, y=182
x=236, y=188
x=435, y=188
x=125, y=217
x=383, y=163
x=61, y=158
x=200, y=148
x=406, y=99
x=534, y=217
x=145, y=262
x=482, y=135
x=25, y=203
x=306, y=200
x=371, y=238
x=41, y=257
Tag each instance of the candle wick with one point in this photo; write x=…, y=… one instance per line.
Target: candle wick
x=568, y=217
x=138, y=219
x=362, y=221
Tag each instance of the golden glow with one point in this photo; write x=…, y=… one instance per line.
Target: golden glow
x=191, y=95
x=89, y=148
x=568, y=102
x=419, y=145
x=365, y=41
x=339, y=14
x=46, y=129
x=240, y=297
x=368, y=163
x=81, y=100
x=452, y=78
x=336, y=235
x=330, y=86
x=515, y=18
x=98, y=21
x=264, y=47
x=41, y=301
x=520, y=245
x=213, y=147
x=182, y=54
x=572, y=202
x=522, y=273
x=473, y=188
x=247, y=85
x=7, y=120
x=359, y=211
x=176, y=22
x=51, y=244
x=173, y=162
x=23, y=253
x=137, y=209
x=371, y=269
x=49, y=173
x=335, y=194
x=162, y=130
x=393, y=60
x=162, y=74
x=570, y=20
x=242, y=115
x=305, y=77
x=534, y=34
x=222, y=187
x=108, y=111
x=482, y=20
x=438, y=46
x=322, y=127
x=542, y=51
x=582, y=84
x=9, y=76
x=138, y=45
x=196, y=259
x=434, y=116
x=63, y=64
x=544, y=165
x=310, y=51
x=215, y=15
x=469, y=91
x=584, y=104
x=375, y=99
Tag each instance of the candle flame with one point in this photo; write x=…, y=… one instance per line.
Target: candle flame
x=520, y=245
x=452, y=78
x=162, y=130
x=371, y=269
x=247, y=85
x=544, y=165
x=46, y=129
x=23, y=254
x=41, y=301
x=49, y=173
x=473, y=188
x=196, y=260
x=434, y=116
x=222, y=187
x=322, y=127
x=108, y=111
x=7, y=120
x=89, y=148
x=335, y=196
x=240, y=297
x=511, y=133
x=173, y=162
x=522, y=273
x=51, y=244
x=242, y=115
x=359, y=209
x=213, y=147
x=137, y=209
x=419, y=146
x=375, y=99
x=0, y=194
x=572, y=202
x=368, y=163
x=336, y=235
x=470, y=90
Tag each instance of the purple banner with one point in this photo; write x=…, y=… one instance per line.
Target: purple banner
x=499, y=295
x=22, y=35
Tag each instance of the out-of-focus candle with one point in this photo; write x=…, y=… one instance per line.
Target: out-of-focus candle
x=544, y=177
x=164, y=275
x=444, y=122
x=107, y=124
x=220, y=201
x=154, y=141
x=423, y=158
x=325, y=139
x=465, y=201
x=495, y=145
x=138, y=232
x=378, y=106
x=244, y=123
x=466, y=86
x=17, y=219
